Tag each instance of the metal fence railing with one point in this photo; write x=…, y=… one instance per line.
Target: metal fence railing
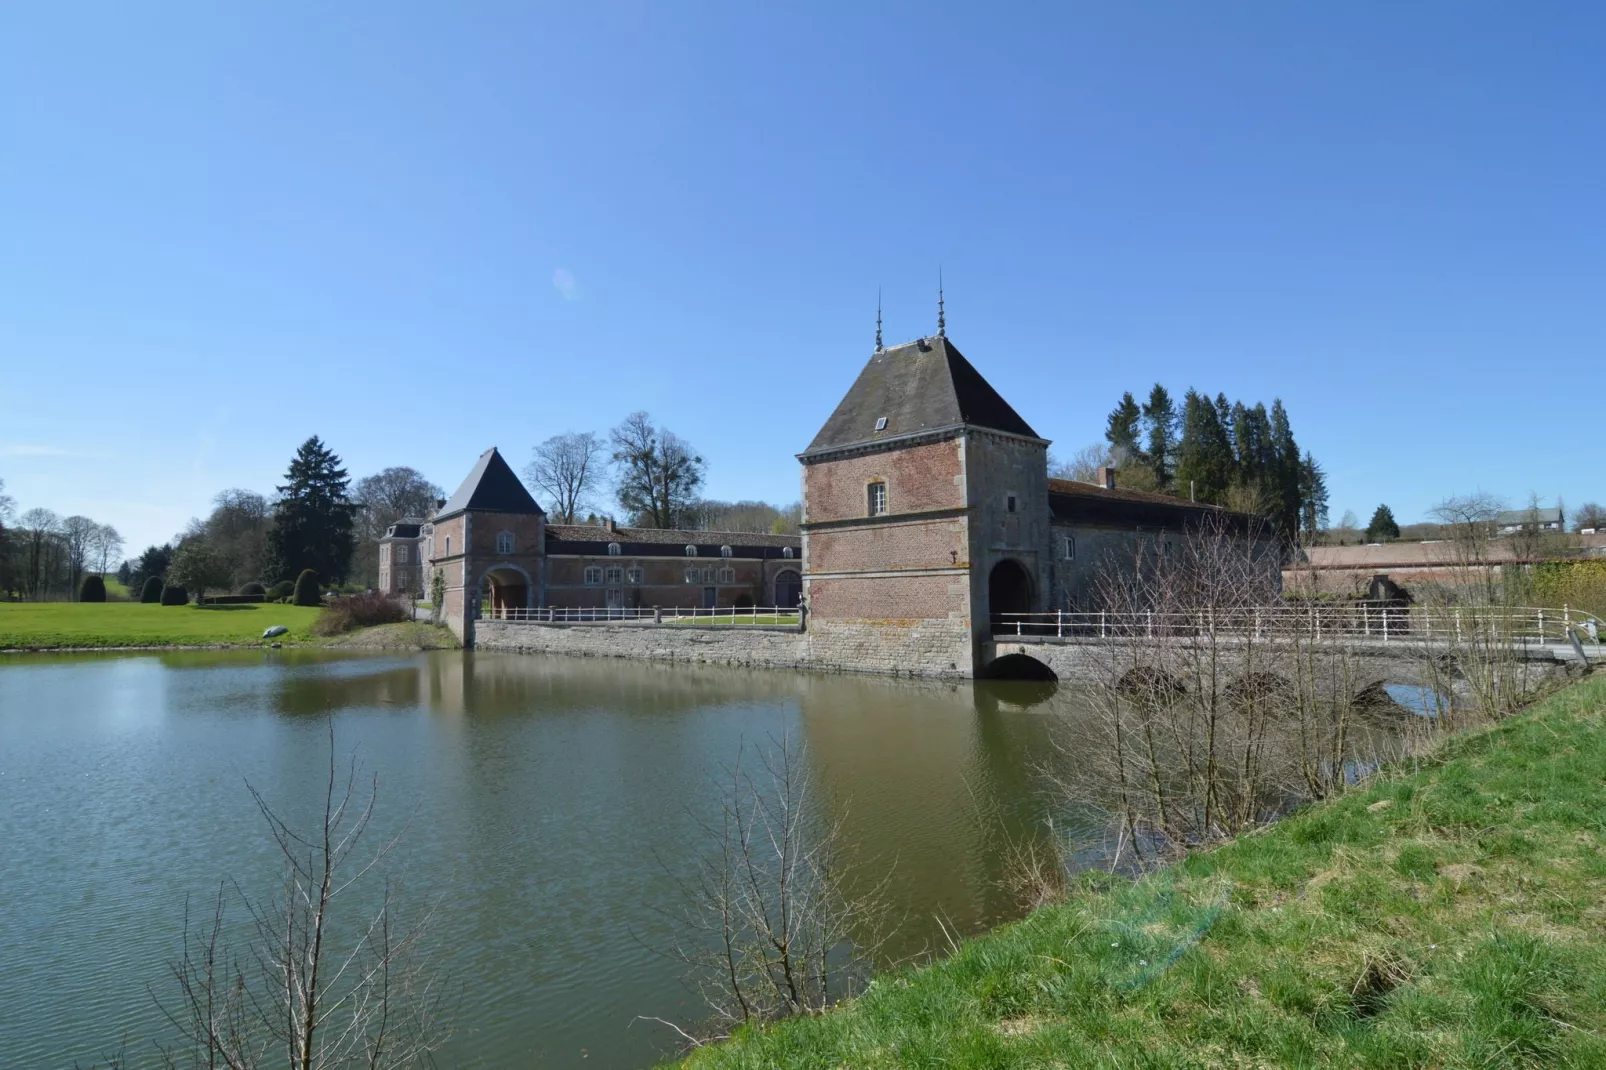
x=717, y=616
x=1530, y=624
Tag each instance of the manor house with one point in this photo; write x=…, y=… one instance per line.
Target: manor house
x=928, y=519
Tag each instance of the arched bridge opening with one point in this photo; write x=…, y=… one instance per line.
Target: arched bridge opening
x=1018, y=667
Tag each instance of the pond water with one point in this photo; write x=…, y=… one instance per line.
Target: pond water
x=543, y=800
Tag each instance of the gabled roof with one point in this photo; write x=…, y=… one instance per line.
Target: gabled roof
x=1077, y=489
x=490, y=488
x=924, y=385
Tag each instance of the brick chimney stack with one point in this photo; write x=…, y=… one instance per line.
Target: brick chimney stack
x=1106, y=477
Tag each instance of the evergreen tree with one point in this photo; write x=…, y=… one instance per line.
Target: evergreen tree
x=1228, y=433
x=152, y=565
x=1160, y=421
x=1121, y=431
x=1313, y=496
x=1382, y=525
x=1286, y=464
x=313, y=519
x=1204, y=455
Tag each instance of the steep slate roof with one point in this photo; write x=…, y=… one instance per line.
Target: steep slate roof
x=918, y=386
x=1071, y=500
x=406, y=528
x=667, y=536
x=490, y=488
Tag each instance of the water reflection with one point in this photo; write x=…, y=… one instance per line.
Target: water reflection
x=551, y=802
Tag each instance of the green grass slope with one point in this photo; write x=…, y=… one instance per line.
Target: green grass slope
x=52, y=625
x=1454, y=916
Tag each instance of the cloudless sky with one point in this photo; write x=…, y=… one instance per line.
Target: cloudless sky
x=419, y=230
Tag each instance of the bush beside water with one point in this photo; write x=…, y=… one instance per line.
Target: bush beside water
x=359, y=611
x=306, y=590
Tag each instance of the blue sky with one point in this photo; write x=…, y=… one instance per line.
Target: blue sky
x=420, y=230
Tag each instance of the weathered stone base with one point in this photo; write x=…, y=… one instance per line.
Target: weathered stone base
x=894, y=647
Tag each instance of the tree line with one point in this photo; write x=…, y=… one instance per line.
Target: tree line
x=651, y=474
x=1227, y=453
x=45, y=556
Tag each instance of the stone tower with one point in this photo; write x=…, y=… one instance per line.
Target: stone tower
x=488, y=543
x=925, y=513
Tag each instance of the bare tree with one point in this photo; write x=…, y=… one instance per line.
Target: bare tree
x=315, y=989
x=38, y=527
x=8, y=504
x=1468, y=526
x=567, y=469
x=77, y=535
x=769, y=926
x=658, y=473
x=106, y=544
x=237, y=528
x=382, y=499
x=1084, y=464
x=1590, y=517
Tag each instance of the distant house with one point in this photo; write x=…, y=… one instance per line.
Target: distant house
x=403, y=554
x=1514, y=520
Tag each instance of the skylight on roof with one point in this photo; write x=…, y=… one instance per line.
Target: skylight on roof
x=881, y=423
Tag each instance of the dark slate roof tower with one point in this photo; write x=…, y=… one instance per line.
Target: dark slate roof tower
x=491, y=487
x=919, y=388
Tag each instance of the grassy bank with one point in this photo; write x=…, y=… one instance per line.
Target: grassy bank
x=410, y=635
x=53, y=625
x=1450, y=916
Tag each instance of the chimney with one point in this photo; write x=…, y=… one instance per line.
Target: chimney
x=1106, y=477
x=607, y=523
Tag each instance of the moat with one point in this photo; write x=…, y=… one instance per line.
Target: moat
x=543, y=797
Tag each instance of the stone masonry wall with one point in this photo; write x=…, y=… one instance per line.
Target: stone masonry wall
x=913, y=648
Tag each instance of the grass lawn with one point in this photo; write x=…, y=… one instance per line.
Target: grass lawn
x=46, y=625
x=1454, y=916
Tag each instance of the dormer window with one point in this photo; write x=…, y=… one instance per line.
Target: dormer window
x=504, y=542
x=724, y=551
x=786, y=551
x=613, y=549
x=691, y=551
x=880, y=423
x=877, y=498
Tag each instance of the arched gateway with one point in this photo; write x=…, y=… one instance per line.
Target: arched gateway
x=1009, y=592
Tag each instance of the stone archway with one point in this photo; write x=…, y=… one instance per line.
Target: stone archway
x=1009, y=592
x=504, y=587
x=788, y=588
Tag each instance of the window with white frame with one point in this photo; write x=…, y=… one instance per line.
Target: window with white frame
x=401, y=579
x=693, y=576
x=1068, y=547
x=877, y=494
x=401, y=554
x=727, y=575
x=633, y=576
x=710, y=575
x=613, y=549
x=786, y=551
x=504, y=542
x=384, y=580
x=691, y=551
x=384, y=553
x=448, y=546
x=724, y=551
x=593, y=574
x=616, y=576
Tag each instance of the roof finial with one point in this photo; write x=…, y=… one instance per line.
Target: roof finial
x=878, y=346
x=942, y=327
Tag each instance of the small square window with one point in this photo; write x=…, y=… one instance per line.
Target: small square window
x=1009, y=504
x=881, y=423
x=615, y=576
x=693, y=576
x=504, y=542
x=593, y=574
x=633, y=576
x=1068, y=547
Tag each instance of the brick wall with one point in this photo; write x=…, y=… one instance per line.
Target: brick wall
x=888, y=597
x=918, y=478
x=891, y=545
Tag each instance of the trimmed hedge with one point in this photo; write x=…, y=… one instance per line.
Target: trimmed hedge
x=235, y=599
x=151, y=593
x=282, y=590
x=307, y=588
x=174, y=595
x=252, y=588
x=93, y=589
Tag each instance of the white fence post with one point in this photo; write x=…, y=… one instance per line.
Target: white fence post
x=1059, y=624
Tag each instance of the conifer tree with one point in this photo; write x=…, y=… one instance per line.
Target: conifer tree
x=1382, y=526
x=1286, y=463
x=1313, y=496
x=1204, y=455
x=1160, y=421
x=313, y=519
x=1121, y=431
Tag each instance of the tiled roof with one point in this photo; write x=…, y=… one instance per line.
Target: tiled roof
x=668, y=536
x=491, y=488
x=919, y=386
x=1075, y=488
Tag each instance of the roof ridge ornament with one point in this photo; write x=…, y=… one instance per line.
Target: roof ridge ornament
x=942, y=326
x=878, y=345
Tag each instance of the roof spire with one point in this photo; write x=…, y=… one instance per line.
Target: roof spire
x=878, y=346
x=942, y=327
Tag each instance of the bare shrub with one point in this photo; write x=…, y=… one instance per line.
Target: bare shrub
x=1218, y=704
x=769, y=925
x=359, y=611
x=316, y=987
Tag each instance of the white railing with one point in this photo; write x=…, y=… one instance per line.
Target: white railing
x=719, y=616
x=1523, y=624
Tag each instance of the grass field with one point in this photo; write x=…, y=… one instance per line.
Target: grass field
x=1454, y=916
x=50, y=625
